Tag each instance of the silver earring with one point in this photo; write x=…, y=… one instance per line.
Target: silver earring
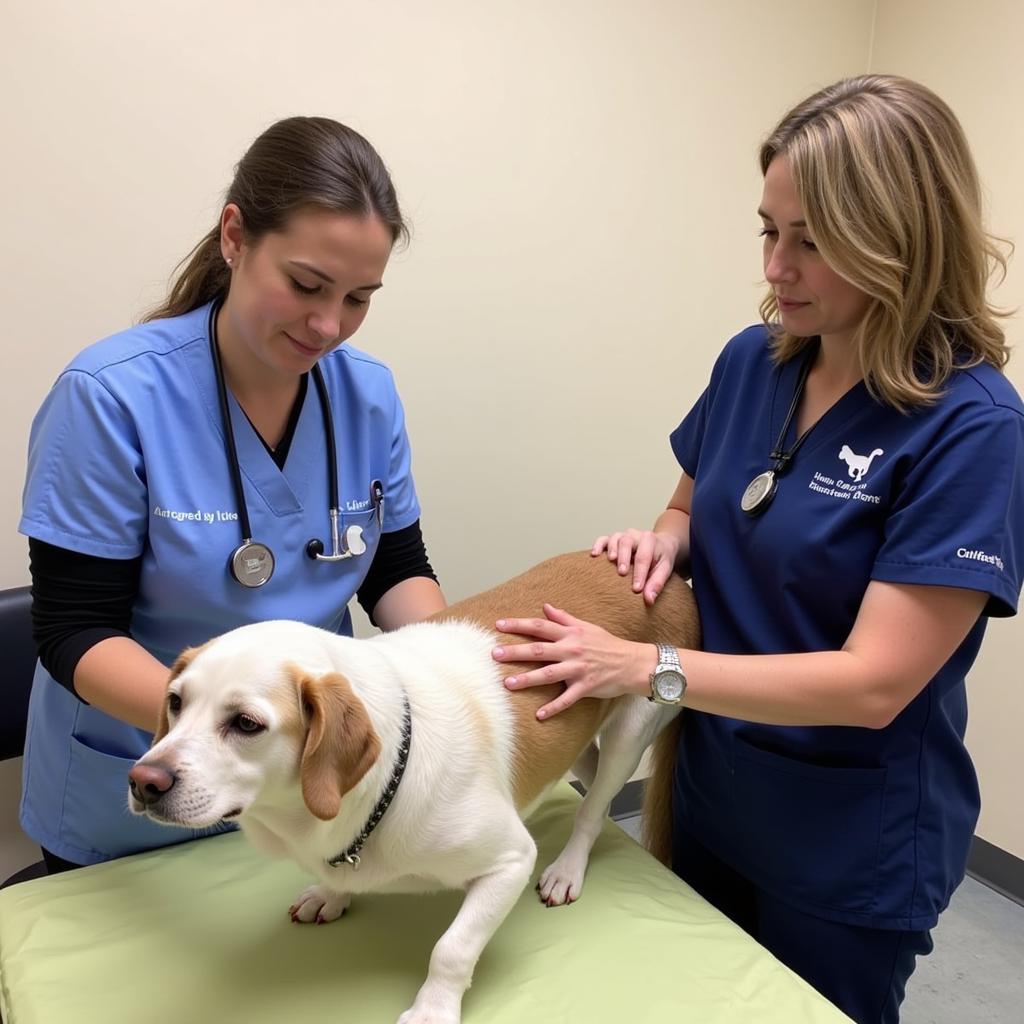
x=229, y=261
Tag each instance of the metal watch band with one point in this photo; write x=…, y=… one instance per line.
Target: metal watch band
x=668, y=655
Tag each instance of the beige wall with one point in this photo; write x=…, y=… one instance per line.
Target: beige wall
x=581, y=180
x=580, y=175
x=584, y=222
x=970, y=54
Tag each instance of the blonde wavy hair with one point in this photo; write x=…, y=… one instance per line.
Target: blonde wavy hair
x=891, y=197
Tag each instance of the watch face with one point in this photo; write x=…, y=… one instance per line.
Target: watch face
x=669, y=685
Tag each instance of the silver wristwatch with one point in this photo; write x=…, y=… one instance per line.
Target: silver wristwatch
x=668, y=683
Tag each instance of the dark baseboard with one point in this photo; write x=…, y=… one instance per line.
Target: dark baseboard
x=987, y=863
x=997, y=869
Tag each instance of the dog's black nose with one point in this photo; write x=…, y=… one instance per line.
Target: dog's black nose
x=149, y=782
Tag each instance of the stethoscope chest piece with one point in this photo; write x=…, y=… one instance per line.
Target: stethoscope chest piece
x=252, y=563
x=759, y=493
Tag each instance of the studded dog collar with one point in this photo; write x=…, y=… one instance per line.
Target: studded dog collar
x=351, y=855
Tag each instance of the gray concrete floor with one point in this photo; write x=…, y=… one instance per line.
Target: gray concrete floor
x=975, y=975
x=976, y=971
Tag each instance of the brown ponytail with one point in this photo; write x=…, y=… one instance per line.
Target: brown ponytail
x=298, y=162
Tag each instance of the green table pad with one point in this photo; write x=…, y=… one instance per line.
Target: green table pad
x=200, y=933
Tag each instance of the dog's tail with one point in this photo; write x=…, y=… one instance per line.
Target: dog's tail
x=656, y=823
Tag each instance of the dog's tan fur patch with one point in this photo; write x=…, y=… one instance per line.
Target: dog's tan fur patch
x=591, y=589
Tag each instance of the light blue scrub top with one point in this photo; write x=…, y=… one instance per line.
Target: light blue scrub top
x=126, y=458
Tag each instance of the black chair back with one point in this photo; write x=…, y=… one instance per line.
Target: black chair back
x=18, y=650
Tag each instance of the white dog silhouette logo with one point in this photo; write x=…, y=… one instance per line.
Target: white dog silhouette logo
x=858, y=464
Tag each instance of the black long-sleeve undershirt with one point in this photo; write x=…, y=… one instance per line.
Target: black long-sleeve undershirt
x=79, y=600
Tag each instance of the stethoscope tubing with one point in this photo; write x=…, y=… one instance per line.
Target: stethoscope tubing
x=230, y=448
x=332, y=451
x=353, y=545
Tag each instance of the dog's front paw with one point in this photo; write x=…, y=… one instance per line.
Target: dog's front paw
x=562, y=881
x=417, y=1014
x=320, y=904
x=435, y=1004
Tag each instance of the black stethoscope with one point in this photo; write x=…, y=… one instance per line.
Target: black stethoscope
x=761, y=490
x=252, y=563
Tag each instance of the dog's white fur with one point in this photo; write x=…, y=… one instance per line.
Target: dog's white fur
x=330, y=711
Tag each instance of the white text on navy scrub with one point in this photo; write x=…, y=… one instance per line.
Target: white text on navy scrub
x=980, y=556
x=841, y=489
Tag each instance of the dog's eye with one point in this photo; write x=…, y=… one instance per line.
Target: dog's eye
x=173, y=703
x=243, y=723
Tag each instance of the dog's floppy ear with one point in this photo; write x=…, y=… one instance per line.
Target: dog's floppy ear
x=181, y=663
x=341, y=743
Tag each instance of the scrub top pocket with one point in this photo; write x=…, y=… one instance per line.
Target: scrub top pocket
x=813, y=832
x=96, y=804
x=367, y=521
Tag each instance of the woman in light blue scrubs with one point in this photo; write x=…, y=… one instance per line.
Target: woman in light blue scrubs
x=851, y=509
x=178, y=472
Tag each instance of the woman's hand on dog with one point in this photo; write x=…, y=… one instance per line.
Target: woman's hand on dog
x=652, y=554
x=589, y=660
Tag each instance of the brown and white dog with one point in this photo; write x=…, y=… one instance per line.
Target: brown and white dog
x=299, y=734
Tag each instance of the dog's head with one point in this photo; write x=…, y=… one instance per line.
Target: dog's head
x=253, y=717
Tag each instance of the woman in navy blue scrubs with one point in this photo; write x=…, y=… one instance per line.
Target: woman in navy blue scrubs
x=851, y=510
x=136, y=502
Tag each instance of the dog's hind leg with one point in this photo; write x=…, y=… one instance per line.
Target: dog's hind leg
x=489, y=898
x=585, y=766
x=629, y=730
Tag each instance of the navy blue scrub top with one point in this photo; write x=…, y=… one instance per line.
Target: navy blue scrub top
x=869, y=827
